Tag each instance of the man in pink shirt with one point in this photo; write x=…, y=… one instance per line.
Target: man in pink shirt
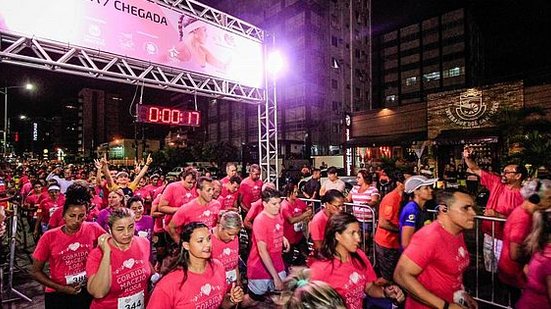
x=201, y=209
x=333, y=203
x=250, y=188
x=231, y=171
x=265, y=267
x=178, y=194
x=229, y=194
x=432, y=265
x=504, y=197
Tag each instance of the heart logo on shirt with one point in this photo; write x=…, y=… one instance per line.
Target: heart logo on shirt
x=74, y=246
x=188, y=194
x=129, y=263
x=142, y=234
x=277, y=227
x=354, y=277
x=205, y=289
x=206, y=213
x=226, y=251
x=461, y=252
x=255, y=187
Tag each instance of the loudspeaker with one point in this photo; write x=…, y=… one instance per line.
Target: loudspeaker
x=535, y=198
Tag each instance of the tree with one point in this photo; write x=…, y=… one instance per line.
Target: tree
x=528, y=131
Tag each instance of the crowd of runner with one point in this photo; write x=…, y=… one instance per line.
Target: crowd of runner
x=108, y=237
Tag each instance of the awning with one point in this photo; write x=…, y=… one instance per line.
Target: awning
x=468, y=136
x=404, y=139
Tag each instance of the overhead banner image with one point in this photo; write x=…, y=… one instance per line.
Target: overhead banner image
x=142, y=30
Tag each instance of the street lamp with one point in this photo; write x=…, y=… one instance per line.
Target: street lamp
x=27, y=86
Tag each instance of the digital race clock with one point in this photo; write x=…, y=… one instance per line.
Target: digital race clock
x=168, y=116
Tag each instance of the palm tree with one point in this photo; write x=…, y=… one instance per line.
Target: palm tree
x=527, y=130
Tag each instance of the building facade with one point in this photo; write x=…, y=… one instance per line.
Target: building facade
x=437, y=54
x=326, y=45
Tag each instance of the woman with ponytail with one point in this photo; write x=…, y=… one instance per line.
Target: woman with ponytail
x=537, y=290
x=195, y=280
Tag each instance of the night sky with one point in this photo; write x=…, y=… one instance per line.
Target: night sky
x=515, y=35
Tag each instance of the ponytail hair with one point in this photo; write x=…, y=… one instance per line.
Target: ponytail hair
x=541, y=232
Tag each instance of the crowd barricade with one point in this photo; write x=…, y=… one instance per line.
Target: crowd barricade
x=484, y=285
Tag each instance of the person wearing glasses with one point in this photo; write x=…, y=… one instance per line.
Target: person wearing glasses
x=504, y=197
x=431, y=267
x=333, y=202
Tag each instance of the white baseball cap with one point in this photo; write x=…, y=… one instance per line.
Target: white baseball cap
x=414, y=182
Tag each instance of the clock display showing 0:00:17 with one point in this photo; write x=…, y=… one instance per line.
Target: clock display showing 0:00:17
x=168, y=116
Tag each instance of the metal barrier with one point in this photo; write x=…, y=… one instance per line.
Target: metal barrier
x=487, y=289
x=367, y=247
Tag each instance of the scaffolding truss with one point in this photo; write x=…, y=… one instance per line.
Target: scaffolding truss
x=54, y=56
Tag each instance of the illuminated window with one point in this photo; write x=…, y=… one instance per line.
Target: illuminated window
x=411, y=81
x=453, y=72
x=431, y=76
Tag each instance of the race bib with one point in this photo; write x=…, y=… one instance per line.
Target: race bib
x=76, y=278
x=52, y=210
x=135, y=301
x=231, y=276
x=298, y=227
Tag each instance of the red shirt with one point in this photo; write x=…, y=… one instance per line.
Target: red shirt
x=206, y=290
x=48, y=207
x=250, y=192
x=177, y=196
x=348, y=279
x=193, y=211
x=502, y=199
x=227, y=199
x=270, y=231
x=443, y=258
x=227, y=254
x=34, y=200
x=317, y=225
x=390, y=210
x=517, y=228
x=130, y=272
x=67, y=254
x=293, y=232
x=256, y=208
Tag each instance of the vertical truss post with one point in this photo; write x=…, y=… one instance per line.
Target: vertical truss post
x=267, y=126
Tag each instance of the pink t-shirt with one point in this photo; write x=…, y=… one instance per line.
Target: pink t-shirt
x=48, y=207
x=443, y=258
x=56, y=219
x=348, y=279
x=177, y=196
x=227, y=199
x=67, y=254
x=517, y=228
x=270, y=231
x=363, y=214
x=130, y=272
x=501, y=199
x=206, y=290
x=250, y=192
x=193, y=211
x=34, y=199
x=158, y=227
x=293, y=232
x=535, y=293
x=256, y=208
x=227, y=254
x=317, y=226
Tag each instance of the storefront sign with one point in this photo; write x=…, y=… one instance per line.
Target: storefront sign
x=471, y=111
